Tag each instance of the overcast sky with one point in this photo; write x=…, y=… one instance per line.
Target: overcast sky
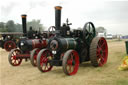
x=111, y=14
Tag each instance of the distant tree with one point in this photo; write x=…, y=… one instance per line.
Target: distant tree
x=2, y=27
x=10, y=25
x=101, y=30
x=18, y=27
x=35, y=25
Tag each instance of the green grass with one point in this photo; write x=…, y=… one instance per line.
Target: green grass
x=122, y=82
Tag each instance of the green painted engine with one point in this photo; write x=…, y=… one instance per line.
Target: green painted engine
x=69, y=47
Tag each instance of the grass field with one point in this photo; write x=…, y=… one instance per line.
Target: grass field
x=26, y=74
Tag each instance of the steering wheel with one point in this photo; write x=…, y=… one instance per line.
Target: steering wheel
x=51, y=31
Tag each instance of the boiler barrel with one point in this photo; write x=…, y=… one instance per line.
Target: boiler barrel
x=63, y=44
x=68, y=43
x=28, y=45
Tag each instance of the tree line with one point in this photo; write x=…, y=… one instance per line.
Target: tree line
x=11, y=26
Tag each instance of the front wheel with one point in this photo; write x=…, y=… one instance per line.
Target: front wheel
x=12, y=57
x=33, y=56
x=43, y=60
x=70, y=62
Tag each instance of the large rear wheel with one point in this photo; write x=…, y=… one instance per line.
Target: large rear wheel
x=70, y=62
x=98, y=51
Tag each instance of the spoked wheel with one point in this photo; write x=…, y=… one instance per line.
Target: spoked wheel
x=70, y=62
x=33, y=56
x=8, y=45
x=43, y=60
x=12, y=57
x=89, y=32
x=98, y=51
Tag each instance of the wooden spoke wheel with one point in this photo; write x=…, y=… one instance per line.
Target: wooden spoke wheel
x=70, y=62
x=8, y=45
x=43, y=58
x=89, y=32
x=98, y=51
x=33, y=56
x=12, y=57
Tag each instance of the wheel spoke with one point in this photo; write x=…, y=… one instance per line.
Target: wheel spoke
x=87, y=37
x=70, y=66
x=45, y=67
x=87, y=32
x=89, y=27
x=42, y=61
x=100, y=63
x=98, y=47
x=35, y=57
x=71, y=57
x=102, y=59
x=35, y=62
x=14, y=61
x=41, y=64
x=98, y=54
x=102, y=45
x=12, y=58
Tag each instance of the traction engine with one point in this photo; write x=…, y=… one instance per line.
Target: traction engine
x=28, y=48
x=8, y=42
x=70, y=48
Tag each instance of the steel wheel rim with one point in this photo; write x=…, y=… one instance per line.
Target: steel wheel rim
x=14, y=61
x=44, y=61
x=35, y=61
x=35, y=57
x=102, y=52
x=71, y=62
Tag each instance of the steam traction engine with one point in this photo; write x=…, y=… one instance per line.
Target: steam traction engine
x=25, y=46
x=7, y=41
x=70, y=48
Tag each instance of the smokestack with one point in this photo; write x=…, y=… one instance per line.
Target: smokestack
x=58, y=17
x=24, y=24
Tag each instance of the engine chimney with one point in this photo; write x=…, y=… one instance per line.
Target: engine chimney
x=58, y=17
x=24, y=24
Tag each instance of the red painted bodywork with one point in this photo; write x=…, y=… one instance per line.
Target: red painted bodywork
x=37, y=43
